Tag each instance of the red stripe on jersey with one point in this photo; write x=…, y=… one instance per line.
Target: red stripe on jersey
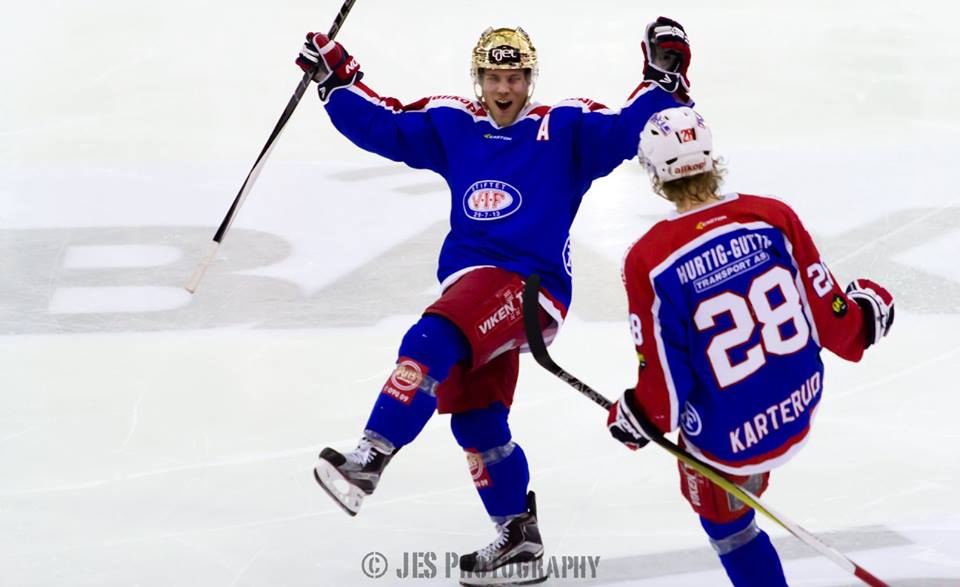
x=585, y=104
x=386, y=102
x=418, y=105
x=592, y=106
x=396, y=105
x=644, y=86
x=539, y=111
x=366, y=90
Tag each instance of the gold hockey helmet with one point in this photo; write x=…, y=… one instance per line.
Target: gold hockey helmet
x=504, y=48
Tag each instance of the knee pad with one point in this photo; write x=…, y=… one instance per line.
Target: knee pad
x=435, y=343
x=479, y=463
x=483, y=429
x=745, y=551
x=727, y=537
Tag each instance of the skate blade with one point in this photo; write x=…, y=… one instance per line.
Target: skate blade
x=525, y=573
x=337, y=487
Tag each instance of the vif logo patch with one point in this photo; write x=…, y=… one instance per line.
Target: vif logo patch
x=491, y=200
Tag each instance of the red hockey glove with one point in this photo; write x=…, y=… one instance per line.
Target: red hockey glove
x=666, y=56
x=331, y=65
x=877, y=305
x=623, y=423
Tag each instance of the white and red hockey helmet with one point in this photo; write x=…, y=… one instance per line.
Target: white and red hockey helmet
x=676, y=143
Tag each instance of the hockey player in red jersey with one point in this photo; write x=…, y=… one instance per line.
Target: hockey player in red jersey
x=517, y=173
x=730, y=304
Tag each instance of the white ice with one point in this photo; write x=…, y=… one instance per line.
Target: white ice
x=149, y=437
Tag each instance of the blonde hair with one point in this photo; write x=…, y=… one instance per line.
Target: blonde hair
x=695, y=188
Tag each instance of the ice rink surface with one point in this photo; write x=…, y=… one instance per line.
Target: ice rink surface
x=149, y=437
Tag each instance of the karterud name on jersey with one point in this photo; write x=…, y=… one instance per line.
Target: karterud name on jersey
x=491, y=200
x=756, y=428
x=727, y=258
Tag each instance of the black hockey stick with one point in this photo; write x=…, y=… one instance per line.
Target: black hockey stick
x=261, y=160
x=531, y=323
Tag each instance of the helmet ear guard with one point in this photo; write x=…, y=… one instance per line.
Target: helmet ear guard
x=503, y=48
x=676, y=143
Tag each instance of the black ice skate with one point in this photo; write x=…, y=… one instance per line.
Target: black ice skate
x=350, y=477
x=514, y=558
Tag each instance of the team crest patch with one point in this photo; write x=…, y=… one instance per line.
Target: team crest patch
x=405, y=380
x=839, y=306
x=491, y=200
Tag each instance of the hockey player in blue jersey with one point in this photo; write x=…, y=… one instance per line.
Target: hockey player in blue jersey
x=517, y=173
x=730, y=305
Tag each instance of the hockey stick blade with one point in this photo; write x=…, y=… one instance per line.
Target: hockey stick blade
x=194, y=282
x=538, y=348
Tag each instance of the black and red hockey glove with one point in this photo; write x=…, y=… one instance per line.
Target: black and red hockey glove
x=666, y=56
x=331, y=65
x=623, y=422
x=877, y=305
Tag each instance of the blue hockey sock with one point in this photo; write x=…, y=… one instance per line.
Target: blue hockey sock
x=497, y=464
x=746, y=552
x=429, y=350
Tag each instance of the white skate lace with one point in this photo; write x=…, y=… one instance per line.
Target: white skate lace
x=490, y=550
x=362, y=455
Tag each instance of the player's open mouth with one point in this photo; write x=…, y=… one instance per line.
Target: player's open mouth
x=503, y=105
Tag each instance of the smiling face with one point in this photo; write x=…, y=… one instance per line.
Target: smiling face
x=504, y=93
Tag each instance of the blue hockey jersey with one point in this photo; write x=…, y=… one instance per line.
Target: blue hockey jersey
x=514, y=190
x=730, y=305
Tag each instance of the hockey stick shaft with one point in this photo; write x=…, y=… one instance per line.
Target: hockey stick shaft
x=251, y=178
x=538, y=348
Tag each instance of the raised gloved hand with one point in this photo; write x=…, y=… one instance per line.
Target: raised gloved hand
x=331, y=65
x=877, y=305
x=623, y=422
x=666, y=54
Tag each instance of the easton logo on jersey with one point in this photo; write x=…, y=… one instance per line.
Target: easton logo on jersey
x=491, y=200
